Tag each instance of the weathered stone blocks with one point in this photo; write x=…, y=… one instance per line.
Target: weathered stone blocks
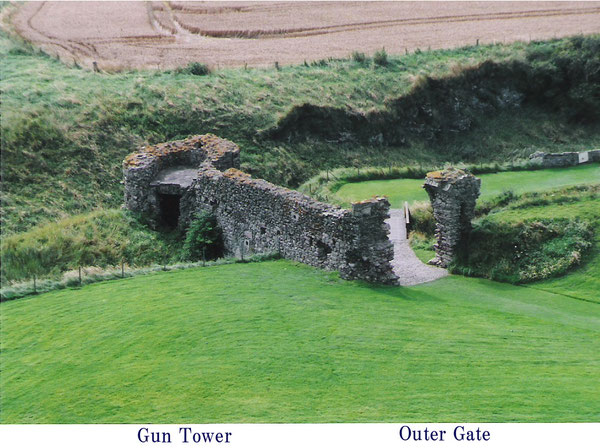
x=257, y=216
x=142, y=171
x=453, y=194
x=563, y=159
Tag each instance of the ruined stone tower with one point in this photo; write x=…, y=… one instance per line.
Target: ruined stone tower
x=170, y=182
x=453, y=193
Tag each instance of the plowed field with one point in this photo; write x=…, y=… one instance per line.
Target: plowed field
x=169, y=34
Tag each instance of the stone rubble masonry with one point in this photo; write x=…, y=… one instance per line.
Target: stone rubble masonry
x=561, y=159
x=453, y=193
x=142, y=168
x=259, y=217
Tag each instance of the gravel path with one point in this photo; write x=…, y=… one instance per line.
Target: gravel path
x=409, y=269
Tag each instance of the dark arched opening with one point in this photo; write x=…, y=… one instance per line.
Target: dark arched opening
x=169, y=209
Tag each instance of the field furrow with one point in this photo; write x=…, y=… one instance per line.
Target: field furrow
x=170, y=34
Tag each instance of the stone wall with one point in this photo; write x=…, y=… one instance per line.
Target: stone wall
x=259, y=217
x=453, y=194
x=141, y=169
x=563, y=159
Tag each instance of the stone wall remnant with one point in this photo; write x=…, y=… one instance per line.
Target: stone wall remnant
x=170, y=169
x=256, y=216
x=564, y=159
x=453, y=193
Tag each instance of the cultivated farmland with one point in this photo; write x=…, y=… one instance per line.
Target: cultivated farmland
x=167, y=34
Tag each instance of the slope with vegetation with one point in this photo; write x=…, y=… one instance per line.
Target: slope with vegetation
x=530, y=237
x=105, y=239
x=66, y=130
x=575, y=207
x=100, y=238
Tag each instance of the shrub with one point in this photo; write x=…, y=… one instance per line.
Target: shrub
x=421, y=218
x=380, y=58
x=359, y=57
x=523, y=252
x=195, y=68
x=203, y=239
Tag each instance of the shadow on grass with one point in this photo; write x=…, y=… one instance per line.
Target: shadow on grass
x=406, y=293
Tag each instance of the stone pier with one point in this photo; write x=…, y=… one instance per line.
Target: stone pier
x=453, y=193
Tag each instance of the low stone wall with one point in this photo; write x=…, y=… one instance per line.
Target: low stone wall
x=453, y=194
x=563, y=159
x=259, y=217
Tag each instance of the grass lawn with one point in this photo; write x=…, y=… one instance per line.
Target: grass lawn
x=400, y=190
x=283, y=342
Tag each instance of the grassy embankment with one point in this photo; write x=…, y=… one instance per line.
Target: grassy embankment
x=281, y=342
x=66, y=130
x=101, y=238
x=539, y=244
x=583, y=282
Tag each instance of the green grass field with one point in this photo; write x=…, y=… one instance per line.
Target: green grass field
x=282, y=342
x=411, y=190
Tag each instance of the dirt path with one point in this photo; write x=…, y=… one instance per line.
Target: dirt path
x=409, y=269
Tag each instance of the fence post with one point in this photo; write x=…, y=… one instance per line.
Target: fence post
x=407, y=218
x=122, y=269
x=79, y=275
x=34, y=284
x=204, y=256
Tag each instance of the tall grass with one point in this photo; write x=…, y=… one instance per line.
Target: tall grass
x=66, y=130
x=523, y=239
x=93, y=274
x=101, y=238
